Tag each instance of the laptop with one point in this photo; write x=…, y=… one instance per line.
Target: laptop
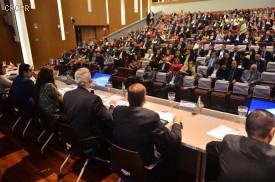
x=261, y=104
x=101, y=79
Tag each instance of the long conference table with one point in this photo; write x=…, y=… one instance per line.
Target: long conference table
x=192, y=157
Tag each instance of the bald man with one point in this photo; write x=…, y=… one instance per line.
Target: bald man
x=249, y=158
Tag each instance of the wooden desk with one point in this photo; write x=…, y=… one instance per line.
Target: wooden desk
x=195, y=127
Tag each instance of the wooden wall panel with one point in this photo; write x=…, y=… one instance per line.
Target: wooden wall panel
x=9, y=49
x=88, y=33
x=114, y=15
x=131, y=16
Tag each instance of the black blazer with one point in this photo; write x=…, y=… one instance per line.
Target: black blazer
x=261, y=66
x=268, y=56
x=166, y=67
x=237, y=74
x=243, y=159
x=86, y=112
x=219, y=73
x=139, y=129
x=177, y=80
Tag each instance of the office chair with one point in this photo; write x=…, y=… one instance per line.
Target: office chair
x=44, y=121
x=20, y=111
x=129, y=164
x=74, y=146
x=220, y=95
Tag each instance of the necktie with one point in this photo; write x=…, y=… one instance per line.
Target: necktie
x=231, y=75
x=163, y=65
x=210, y=63
x=186, y=59
x=249, y=77
x=263, y=54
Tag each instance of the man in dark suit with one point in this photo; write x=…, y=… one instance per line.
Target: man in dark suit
x=261, y=66
x=164, y=66
x=23, y=87
x=220, y=53
x=173, y=82
x=215, y=72
x=265, y=55
x=187, y=57
x=249, y=158
x=208, y=52
x=140, y=129
x=267, y=37
x=244, y=63
x=86, y=112
x=235, y=55
x=233, y=74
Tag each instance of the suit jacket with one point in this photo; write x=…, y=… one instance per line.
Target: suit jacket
x=245, y=63
x=267, y=39
x=23, y=88
x=142, y=130
x=207, y=51
x=166, y=67
x=243, y=159
x=255, y=78
x=190, y=58
x=86, y=112
x=267, y=55
x=237, y=74
x=237, y=56
x=260, y=65
x=177, y=80
x=219, y=52
x=219, y=73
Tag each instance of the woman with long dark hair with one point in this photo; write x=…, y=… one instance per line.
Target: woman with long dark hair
x=46, y=93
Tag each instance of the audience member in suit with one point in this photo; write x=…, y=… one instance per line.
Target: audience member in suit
x=244, y=62
x=226, y=61
x=252, y=76
x=23, y=87
x=208, y=52
x=199, y=52
x=187, y=57
x=173, y=82
x=164, y=66
x=265, y=55
x=249, y=158
x=261, y=66
x=220, y=53
x=229, y=37
x=235, y=55
x=211, y=60
x=85, y=110
x=143, y=131
x=233, y=74
x=267, y=37
x=215, y=72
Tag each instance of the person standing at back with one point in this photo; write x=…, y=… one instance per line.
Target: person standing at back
x=23, y=87
x=249, y=158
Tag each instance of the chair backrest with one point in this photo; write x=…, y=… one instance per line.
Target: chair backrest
x=240, y=88
x=221, y=86
x=268, y=77
x=161, y=77
x=230, y=48
x=70, y=138
x=202, y=70
x=200, y=60
x=255, y=47
x=144, y=63
x=139, y=72
x=218, y=47
x=127, y=164
x=269, y=48
x=204, y=83
x=124, y=72
x=261, y=91
x=242, y=48
x=17, y=105
x=188, y=81
x=270, y=66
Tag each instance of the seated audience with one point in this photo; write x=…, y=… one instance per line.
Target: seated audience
x=215, y=72
x=249, y=158
x=164, y=66
x=5, y=83
x=173, y=82
x=261, y=66
x=244, y=62
x=233, y=74
x=189, y=70
x=252, y=76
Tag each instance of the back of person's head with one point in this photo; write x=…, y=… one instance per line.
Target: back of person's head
x=136, y=94
x=24, y=68
x=82, y=77
x=259, y=124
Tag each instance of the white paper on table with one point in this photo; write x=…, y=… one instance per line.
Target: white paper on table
x=187, y=104
x=221, y=131
x=122, y=103
x=165, y=115
x=65, y=89
x=114, y=97
x=102, y=96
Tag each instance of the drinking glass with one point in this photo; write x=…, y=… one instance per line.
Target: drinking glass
x=109, y=86
x=242, y=110
x=171, y=97
x=56, y=72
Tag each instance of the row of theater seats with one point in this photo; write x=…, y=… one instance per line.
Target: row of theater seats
x=219, y=95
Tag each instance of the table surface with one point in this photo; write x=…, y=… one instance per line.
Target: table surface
x=195, y=127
